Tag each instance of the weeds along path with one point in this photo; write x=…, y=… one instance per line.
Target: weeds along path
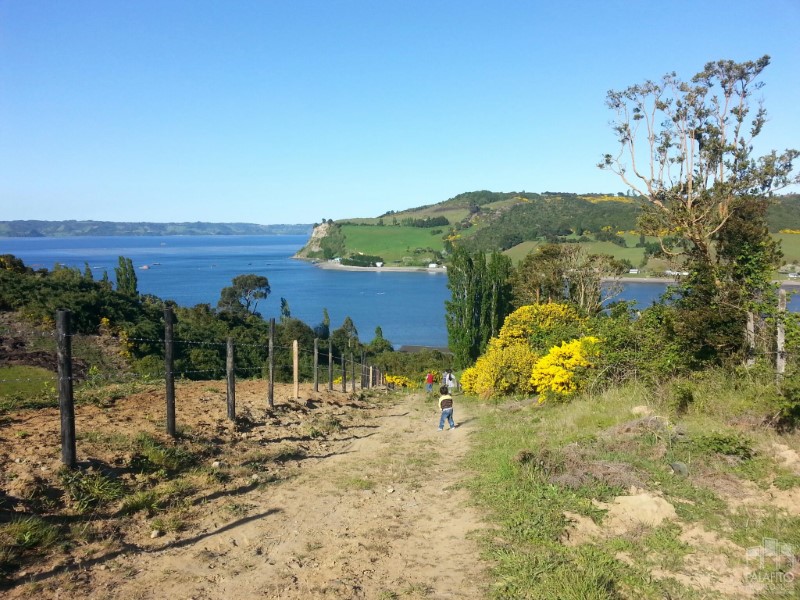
x=379, y=517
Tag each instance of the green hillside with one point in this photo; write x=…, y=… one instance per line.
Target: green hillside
x=516, y=223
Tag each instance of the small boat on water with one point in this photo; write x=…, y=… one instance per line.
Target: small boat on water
x=144, y=267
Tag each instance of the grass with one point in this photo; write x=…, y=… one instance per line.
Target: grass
x=395, y=244
x=154, y=455
x=790, y=244
x=24, y=537
x=534, y=465
x=27, y=387
x=142, y=501
x=356, y=483
x=90, y=490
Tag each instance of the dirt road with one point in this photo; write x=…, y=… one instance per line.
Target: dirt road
x=378, y=516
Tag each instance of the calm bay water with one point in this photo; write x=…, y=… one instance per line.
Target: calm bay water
x=409, y=307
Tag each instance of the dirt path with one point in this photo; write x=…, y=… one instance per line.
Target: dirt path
x=378, y=517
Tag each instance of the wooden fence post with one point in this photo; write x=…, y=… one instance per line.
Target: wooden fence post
x=330, y=365
x=750, y=336
x=169, y=367
x=780, y=358
x=371, y=375
x=271, y=383
x=296, y=369
x=344, y=373
x=316, y=364
x=231, y=377
x=353, y=371
x=65, y=399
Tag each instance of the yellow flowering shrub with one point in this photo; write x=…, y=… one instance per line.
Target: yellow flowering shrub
x=399, y=381
x=531, y=323
x=502, y=369
x=562, y=371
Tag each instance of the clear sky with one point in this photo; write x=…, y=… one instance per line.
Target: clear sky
x=291, y=111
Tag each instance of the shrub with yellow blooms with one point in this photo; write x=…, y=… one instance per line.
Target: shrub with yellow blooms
x=399, y=381
x=563, y=370
x=502, y=369
x=541, y=325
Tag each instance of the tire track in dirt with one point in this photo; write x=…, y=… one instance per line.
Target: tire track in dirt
x=379, y=518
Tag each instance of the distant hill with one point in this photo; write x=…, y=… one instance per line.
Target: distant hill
x=111, y=228
x=481, y=220
x=513, y=222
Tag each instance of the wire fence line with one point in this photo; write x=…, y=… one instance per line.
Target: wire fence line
x=96, y=376
x=353, y=372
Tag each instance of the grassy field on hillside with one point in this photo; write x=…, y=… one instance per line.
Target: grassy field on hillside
x=517, y=253
x=416, y=245
x=394, y=243
x=790, y=244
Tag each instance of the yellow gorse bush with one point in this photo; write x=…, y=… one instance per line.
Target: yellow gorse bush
x=507, y=364
x=526, y=321
x=400, y=381
x=502, y=369
x=562, y=371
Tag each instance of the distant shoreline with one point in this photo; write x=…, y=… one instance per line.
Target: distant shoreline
x=334, y=266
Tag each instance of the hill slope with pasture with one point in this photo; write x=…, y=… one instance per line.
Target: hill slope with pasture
x=514, y=223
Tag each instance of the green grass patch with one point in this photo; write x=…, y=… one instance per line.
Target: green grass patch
x=790, y=244
x=24, y=537
x=154, y=455
x=395, y=244
x=90, y=490
x=146, y=501
x=356, y=483
x=27, y=387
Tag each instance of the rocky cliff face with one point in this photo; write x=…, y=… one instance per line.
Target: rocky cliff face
x=315, y=241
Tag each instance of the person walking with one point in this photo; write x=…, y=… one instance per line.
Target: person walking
x=429, y=382
x=449, y=381
x=446, y=406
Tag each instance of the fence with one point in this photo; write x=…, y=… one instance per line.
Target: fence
x=369, y=376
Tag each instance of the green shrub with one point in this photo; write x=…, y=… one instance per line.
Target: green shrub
x=681, y=397
x=726, y=444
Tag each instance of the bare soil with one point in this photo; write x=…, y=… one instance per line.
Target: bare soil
x=329, y=495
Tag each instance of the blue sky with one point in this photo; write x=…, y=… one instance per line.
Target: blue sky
x=293, y=111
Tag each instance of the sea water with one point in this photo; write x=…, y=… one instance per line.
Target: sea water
x=409, y=307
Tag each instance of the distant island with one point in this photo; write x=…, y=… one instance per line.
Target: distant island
x=111, y=228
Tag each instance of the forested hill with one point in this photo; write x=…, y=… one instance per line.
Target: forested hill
x=86, y=228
